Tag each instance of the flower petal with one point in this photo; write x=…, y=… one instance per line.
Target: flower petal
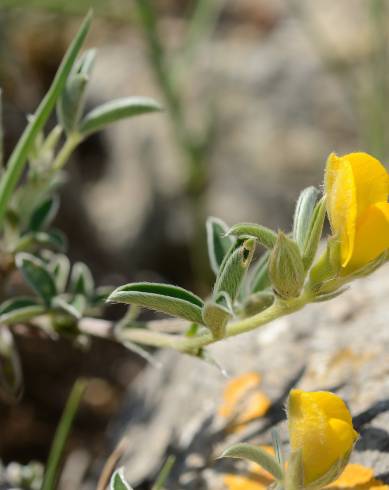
x=341, y=203
x=371, y=237
x=371, y=180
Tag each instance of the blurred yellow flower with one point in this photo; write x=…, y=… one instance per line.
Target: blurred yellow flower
x=357, y=188
x=320, y=426
x=243, y=401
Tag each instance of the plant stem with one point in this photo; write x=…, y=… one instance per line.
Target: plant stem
x=63, y=155
x=278, y=309
x=61, y=436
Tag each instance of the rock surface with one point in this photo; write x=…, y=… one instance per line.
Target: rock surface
x=341, y=345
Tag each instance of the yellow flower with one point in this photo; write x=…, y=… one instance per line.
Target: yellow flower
x=357, y=188
x=320, y=426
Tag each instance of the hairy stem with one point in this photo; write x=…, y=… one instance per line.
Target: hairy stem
x=185, y=344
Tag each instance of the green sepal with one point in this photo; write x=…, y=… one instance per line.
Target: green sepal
x=314, y=233
x=216, y=317
x=286, y=268
x=264, y=235
x=234, y=268
x=294, y=476
x=114, y=111
x=328, y=265
x=217, y=241
x=328, y=296
x=37, y=275
x=168, y=299
x=257, y=455
x=118, y=481
x=303, y=214
x=11, y=374
x=17, y=310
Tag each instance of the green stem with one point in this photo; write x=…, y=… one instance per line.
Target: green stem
x=61, y=436
x=155, y=339
x=63, y=155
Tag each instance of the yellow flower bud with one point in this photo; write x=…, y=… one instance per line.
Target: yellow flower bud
x=357, y=188
x=320, y=426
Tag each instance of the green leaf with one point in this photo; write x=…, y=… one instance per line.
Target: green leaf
x=81, y=280
x=20, y=309
x=44, y=213
x=37, y=276
x=257, y=455
x=218, y=243
x=168, y=299
x=264, y=235
x=118, y=481
x=11, y=376
x=233, y=269
x=314, y=232
x=18, y=158
x=303, y=215
x=116, y=110
x=216, y=317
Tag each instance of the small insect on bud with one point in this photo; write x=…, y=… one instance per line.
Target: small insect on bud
x=286, y=268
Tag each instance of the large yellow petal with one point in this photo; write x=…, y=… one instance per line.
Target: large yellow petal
x=371, y=180
x=371, y=237
x=341, y=203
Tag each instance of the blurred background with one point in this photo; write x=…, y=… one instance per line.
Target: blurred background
x=256, y=94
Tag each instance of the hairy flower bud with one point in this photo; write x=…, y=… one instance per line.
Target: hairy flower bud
x=321, y=433
x=286, y=268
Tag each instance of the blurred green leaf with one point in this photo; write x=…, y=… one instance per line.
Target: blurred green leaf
x=218, y=243
x=168, y=299
x=61, y=436
x=314, y=232
x=118, y=481
x=37, y=276
x=59, y=268
x=164, y=473
x=60, y=303
x=20, y=309
x=11, y=376
x=44, y=214
x=81, y=280
x=18, y=158
x=116, y=110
